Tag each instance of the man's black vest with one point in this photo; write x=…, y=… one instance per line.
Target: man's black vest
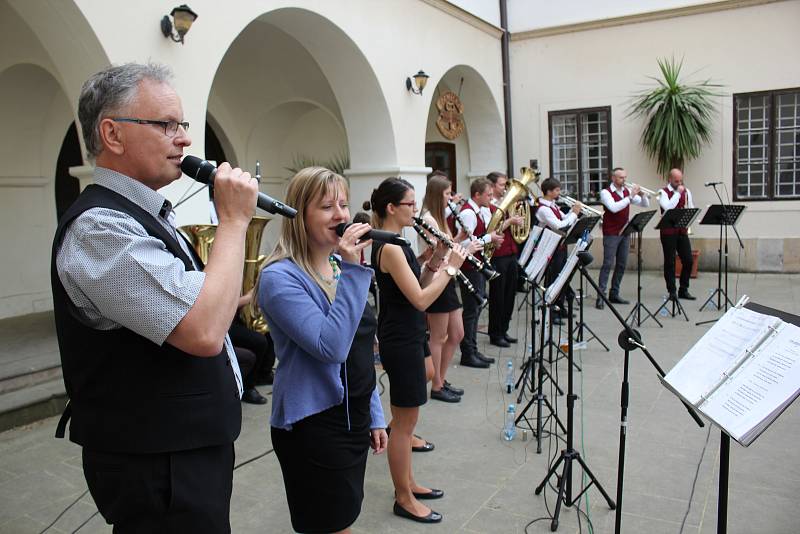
x=126, y=393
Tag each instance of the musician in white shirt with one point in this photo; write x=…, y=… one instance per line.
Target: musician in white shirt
x=676, y=196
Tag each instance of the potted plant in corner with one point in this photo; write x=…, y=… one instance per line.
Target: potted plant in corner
x=678, y=121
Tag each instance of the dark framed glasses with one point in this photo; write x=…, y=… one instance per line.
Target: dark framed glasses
x=170, y=127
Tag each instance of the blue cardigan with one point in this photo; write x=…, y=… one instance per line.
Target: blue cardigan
x=312, y=338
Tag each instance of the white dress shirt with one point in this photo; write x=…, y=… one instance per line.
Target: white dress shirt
x=615, y=206
x=670, y=203
x=470, y=220
x=549, y=219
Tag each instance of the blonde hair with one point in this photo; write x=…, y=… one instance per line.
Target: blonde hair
x=305, y=187
x=434, y=201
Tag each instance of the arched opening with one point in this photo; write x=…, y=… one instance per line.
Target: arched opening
x=479, y=147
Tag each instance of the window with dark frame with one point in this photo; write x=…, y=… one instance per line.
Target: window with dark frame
x=766, y=145
x=580, y=149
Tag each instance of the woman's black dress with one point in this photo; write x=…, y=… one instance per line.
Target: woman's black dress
x=401, y=336
x=323, y=463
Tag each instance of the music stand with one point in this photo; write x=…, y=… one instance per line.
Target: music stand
x=723, y=215
x=636, y=226
x=676, y=218
x=577, y=230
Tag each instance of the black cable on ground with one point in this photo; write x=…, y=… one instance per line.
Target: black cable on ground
x=694, y=482
x=64, y=511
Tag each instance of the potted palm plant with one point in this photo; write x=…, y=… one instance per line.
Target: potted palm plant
x=678, y=120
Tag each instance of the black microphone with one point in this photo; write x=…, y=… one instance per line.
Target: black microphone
x=204, y=172
x=709, y=184
x=376, y=235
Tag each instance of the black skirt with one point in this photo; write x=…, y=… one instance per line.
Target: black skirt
x=447, y=301
x=405, y=367
x=323, y=466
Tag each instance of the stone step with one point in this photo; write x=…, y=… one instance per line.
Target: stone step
x=29, y=377
x=32, y=403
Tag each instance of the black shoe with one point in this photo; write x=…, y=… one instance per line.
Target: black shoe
x=557, y=320
x=565, y=313
x=510, y=339
x=487, y=359
x=433, y=517
x=252, y=396
x=428, y=447
x=452, y=389
x=432, y=494
x=445, y=395
x=473, y=361
x=615, y=299
x=499, y=342
x=685, y=295
x=599, y=304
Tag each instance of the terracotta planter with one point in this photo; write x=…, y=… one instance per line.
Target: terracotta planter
x=695, y=258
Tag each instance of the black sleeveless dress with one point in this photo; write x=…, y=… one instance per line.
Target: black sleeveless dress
x=401, y=336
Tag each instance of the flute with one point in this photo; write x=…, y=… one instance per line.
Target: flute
x=483, y=267
x=461, y=276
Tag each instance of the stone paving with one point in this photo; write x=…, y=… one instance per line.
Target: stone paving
x=670, y=470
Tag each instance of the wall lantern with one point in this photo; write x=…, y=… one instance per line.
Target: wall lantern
x=420, y=79
x=184, y=17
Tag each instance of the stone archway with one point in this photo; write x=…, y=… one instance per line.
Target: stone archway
x=480, y=149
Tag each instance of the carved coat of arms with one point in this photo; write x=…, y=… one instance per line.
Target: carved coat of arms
x=450, y=122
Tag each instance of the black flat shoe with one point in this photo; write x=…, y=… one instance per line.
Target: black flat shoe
x=445, y=395
x=510, y=339
x=432, y=494
x=433, y=517
x=599, y=304
x=473, y=361
x=499, y=342
x=252, y=396
x=615, y=299
x=452, y=389
x=483, y=357
x=428, y=447
x=685, y=295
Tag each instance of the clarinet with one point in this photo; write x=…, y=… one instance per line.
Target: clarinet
x=457, y=216
x=483, y=267
x=461, y=276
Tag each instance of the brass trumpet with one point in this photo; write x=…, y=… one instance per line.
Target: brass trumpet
x=648, y=192
x=585, y=210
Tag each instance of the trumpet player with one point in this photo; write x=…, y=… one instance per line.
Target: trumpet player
x=502, y=289
x=475, y=215
x=676, y=196
x=617, y=199
x=550, y=216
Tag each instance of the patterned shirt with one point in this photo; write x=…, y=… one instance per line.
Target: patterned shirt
x=117, y=275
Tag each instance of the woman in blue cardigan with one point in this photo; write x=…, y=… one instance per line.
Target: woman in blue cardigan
x=326, y=411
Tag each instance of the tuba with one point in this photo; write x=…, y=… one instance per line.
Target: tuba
x=513, y=204
x=202, y=238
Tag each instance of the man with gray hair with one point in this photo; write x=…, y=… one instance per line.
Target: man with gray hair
x=153, y=382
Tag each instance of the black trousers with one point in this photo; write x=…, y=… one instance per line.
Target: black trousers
x=670, y=244
x=469, y=345
x=502, y=291
x=172, y=492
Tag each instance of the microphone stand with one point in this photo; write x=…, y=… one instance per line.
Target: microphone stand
x=628, y=339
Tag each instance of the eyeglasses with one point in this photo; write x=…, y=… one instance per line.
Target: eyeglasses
x=411, y=204
x=170, y=127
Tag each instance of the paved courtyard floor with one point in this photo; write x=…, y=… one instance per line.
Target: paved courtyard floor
x=671, y=468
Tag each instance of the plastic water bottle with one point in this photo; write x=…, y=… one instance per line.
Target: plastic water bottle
x=509, y=376
x=509, y=429
x=664, y=312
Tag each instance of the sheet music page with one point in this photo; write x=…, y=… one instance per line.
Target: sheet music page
x=554, y=289
x=530, y=245
x=760, y=386
x=541, y=256
x=717, y=352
